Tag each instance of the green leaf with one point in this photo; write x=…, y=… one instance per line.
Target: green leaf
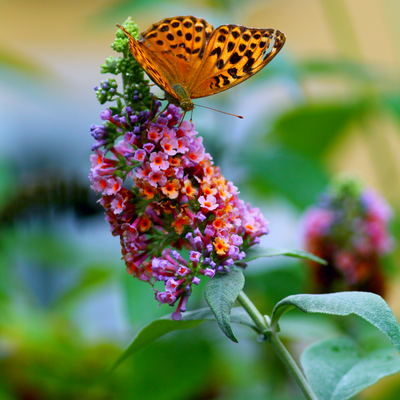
x=273, y=169
x=221, y=292
x=312, y=128
x=165, y=324
x=368, y=306
x=337, y=370
x=273, y=252
x=92, y=277
x=346, y=68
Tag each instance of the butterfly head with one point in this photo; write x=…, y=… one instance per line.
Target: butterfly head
x=181, y=98
x=186, y=105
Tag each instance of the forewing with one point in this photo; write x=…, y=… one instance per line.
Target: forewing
x=234, y=54
x=158, y=71
x=181, y=43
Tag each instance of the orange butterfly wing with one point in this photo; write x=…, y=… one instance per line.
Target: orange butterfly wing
x=187, y=51
x=234, y=54
x=181, y=43
x=152, y=63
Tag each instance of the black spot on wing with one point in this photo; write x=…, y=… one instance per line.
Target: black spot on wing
x=246, y=37
x=170, y=36
x=219, y=64
x=179, y=33
x=188, y=36
x=226, y=80
x=235, y=34
x=230, y=46
x=224, y=31
x=248, y=65
x=235, y=58
x=199, y=28
x=187, y=24
x=175, y=24
x=248, y=53
x=221, y=38
x=164, y=28
x=160, y=42
x=152, y=35
x=242, y=47
x=216, y=51
x=232, y=72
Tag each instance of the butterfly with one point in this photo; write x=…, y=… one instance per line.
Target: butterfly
x=188, y=58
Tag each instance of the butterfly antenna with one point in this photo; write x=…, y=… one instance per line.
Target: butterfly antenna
x=223, y=112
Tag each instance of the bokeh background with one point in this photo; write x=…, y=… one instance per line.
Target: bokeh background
x=329, y=103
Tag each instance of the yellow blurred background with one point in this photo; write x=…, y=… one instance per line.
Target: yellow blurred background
x=329, y=103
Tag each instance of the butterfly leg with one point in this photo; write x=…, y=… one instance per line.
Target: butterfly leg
x=183, y=117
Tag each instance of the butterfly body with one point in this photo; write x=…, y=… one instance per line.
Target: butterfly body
x=188, y=58
x=181, y=98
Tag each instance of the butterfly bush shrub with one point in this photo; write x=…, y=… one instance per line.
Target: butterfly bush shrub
x=349, y=229
x=178, y=218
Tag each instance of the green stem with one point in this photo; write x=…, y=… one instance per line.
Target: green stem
x=277, y=345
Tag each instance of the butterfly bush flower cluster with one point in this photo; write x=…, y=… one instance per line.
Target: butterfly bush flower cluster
x=349, y=229
x=178, y=218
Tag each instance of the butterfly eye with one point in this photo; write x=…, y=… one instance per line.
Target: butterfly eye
x=186, y=105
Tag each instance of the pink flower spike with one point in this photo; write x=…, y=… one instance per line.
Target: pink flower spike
x=154, y=134
x=182, y=271
x=200, y=216
x=236, y=240
x=159, y=161
x=114, y=185
x=182, y=307
x=97, y=159
x=118, y=204
x=165, y=297
x=157, y=178
x=123, y=148
x=178, y=257
x=140, y=155
x=149, y=147
x=195, y=280
x=169, y=146
x=210, y=203
x=183, y=145
x=144, y=171
x=99, y=184
x=208, y=272
x=176, y=316
x=171, y=285
x=194, y=256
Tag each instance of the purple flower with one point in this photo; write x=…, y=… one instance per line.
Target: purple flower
x=195, y=256
x=140, y=155
x=106, y=114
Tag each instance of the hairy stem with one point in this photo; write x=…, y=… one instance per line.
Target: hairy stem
x=277, y=345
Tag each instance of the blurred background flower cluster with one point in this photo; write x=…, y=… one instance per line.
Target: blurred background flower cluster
x=328, y=104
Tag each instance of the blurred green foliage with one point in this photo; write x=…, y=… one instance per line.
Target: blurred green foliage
x=47, y=346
